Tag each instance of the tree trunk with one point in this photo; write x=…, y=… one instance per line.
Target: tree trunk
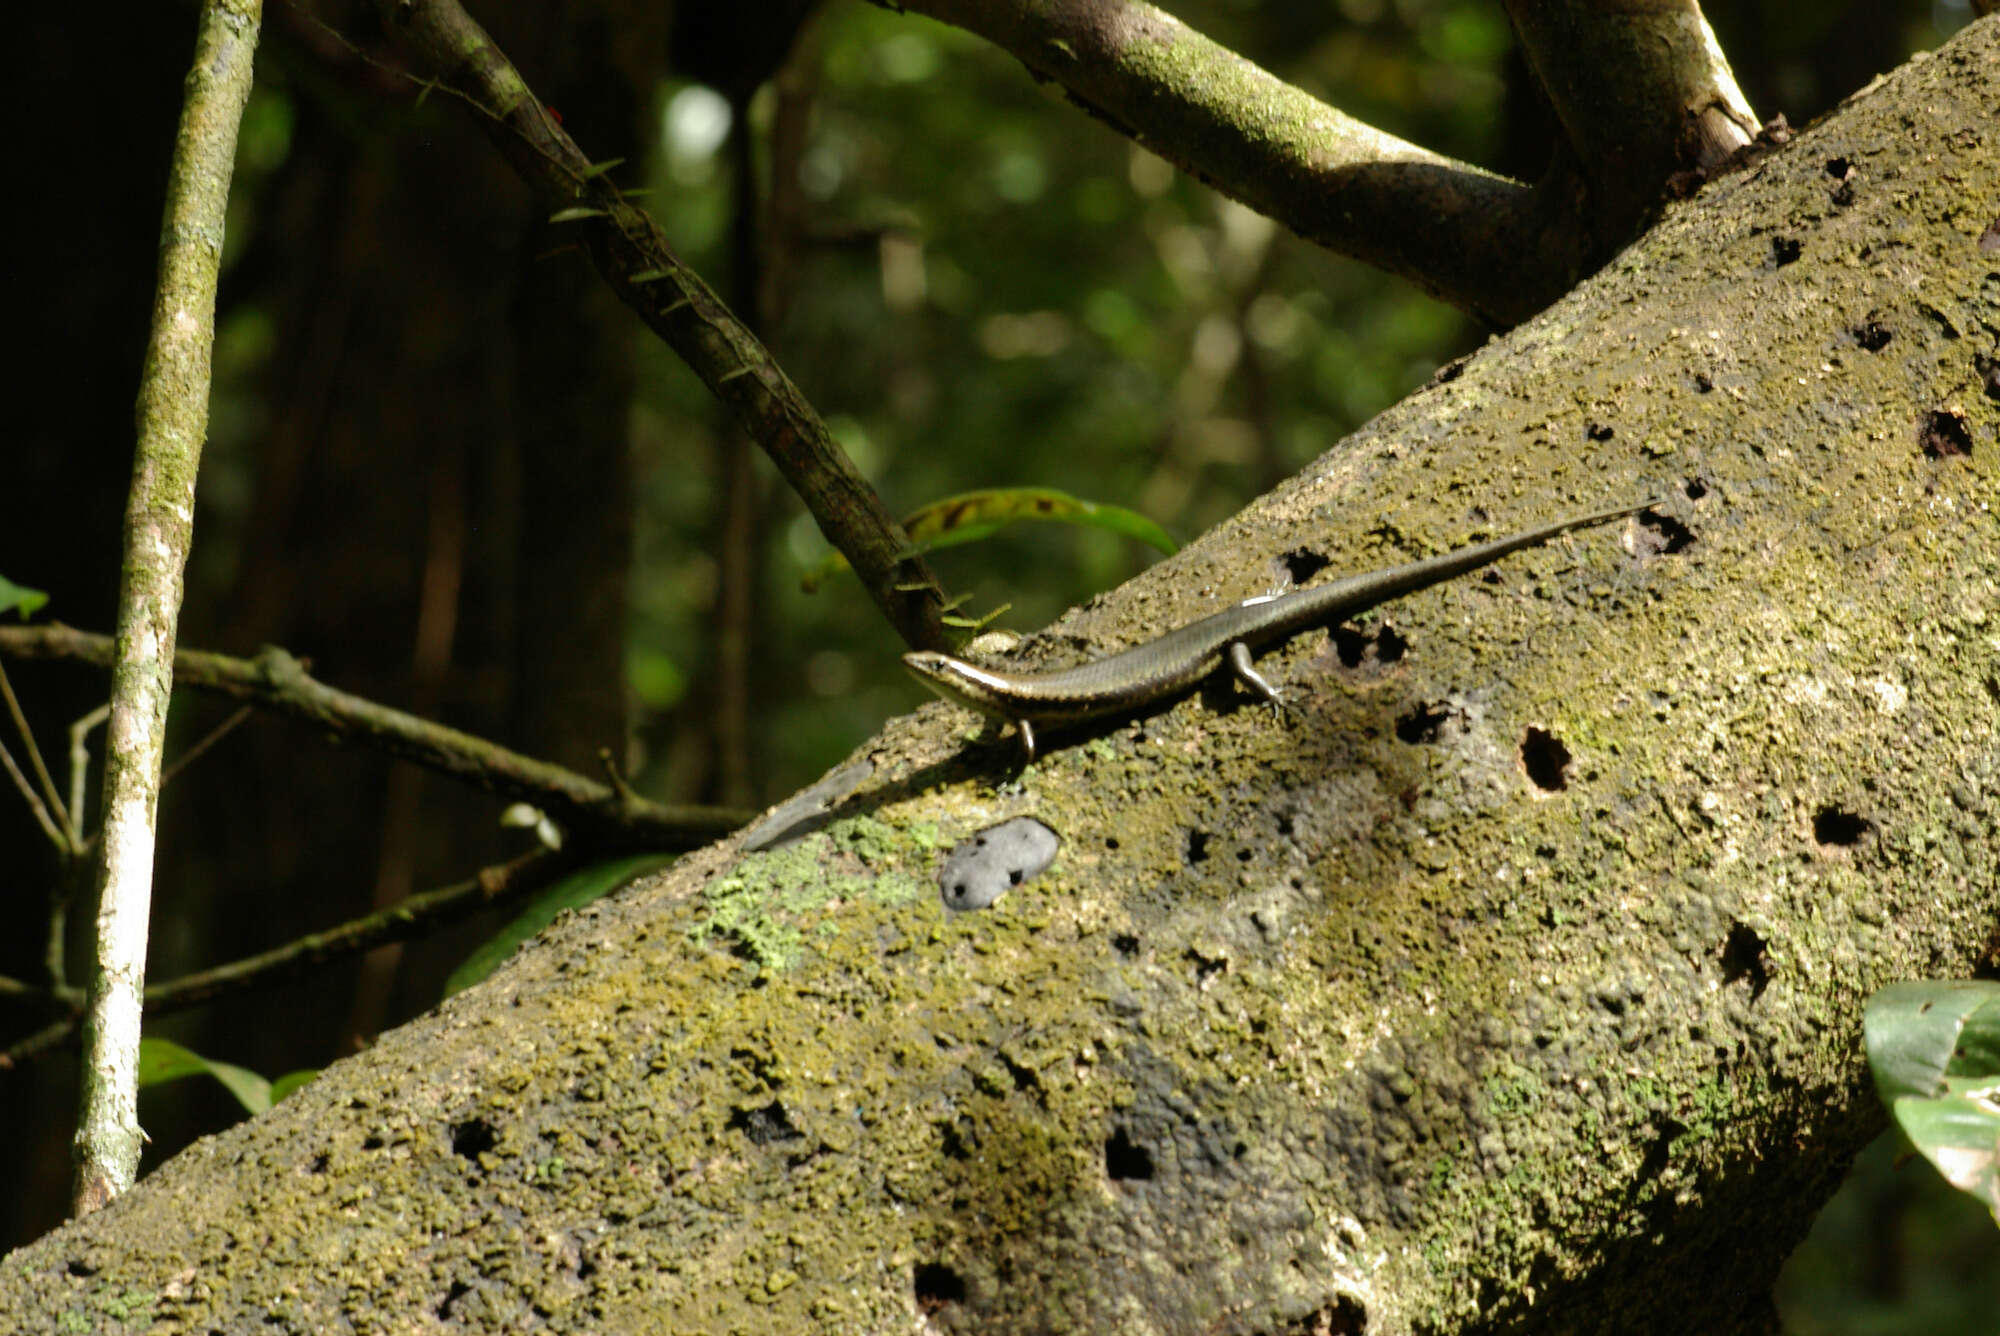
x=1512, y=979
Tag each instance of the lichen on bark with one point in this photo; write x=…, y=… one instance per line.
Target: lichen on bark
x=1347, y=1016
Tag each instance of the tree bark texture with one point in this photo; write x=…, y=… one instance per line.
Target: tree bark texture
x=172, y=421
x=1512, y=980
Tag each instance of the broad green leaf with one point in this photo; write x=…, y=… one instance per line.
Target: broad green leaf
x=1979, y=1042
x=971, y=516
x=579, y=888
x=162, y=1060
x=1917, y=1034
x=18, y=598
x=1934, y=1047
x=291, y=1081
x=1959, y=1133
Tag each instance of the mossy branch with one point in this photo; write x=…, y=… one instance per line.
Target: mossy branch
x=1640, y=97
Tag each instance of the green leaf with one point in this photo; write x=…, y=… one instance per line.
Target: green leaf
x=1978, y=1052
x=574, y=214
x=1934, y=1047
x=291, y=1081
x=971, y=516
x=579, y=888
x=647, y=276
x=162, y=1060
x=1918, y=1034
x=1959, y=1133
x=600, y=168
x=19, y=598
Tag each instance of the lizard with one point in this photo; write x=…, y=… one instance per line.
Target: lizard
x=1171, y=663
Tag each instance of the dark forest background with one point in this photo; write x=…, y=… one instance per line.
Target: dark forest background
x=449, y=469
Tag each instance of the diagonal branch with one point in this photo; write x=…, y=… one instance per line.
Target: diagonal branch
x=57, y=836
x=411, y=917
x=1487, y=245
x=676, y=304
x=1642, y=92
x=278, y=682
x=55, y=814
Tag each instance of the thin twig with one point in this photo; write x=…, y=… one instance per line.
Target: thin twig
x=276, y=681
x=79, y=761
x=55, y=940
x=12, y=987
x=35, y=759
x=194, y=753
x=76, y=868
x=40, y=1042
x=41, y=812
x=399, y=922
x=502, y=884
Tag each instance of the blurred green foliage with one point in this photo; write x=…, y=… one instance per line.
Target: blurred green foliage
x=993, y=290
x=972, y=517
x=19, y=599
x=1897, y=1252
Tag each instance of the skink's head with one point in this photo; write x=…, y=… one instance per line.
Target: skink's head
x=958, y=681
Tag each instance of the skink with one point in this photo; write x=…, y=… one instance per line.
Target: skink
x=1177, y=660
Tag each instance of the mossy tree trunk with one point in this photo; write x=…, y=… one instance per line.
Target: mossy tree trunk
x=1513, y=978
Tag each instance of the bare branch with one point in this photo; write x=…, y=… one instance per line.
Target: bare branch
x=1488, y=245
x=1641, y=96
x=79, y=761
x=159, y=523
x=55, y=803
x=38, y=1043
x=196, y=752
x=278, y=682
x=411, y=917
x=35, y=804
x=407, y=918
x=634, y=257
